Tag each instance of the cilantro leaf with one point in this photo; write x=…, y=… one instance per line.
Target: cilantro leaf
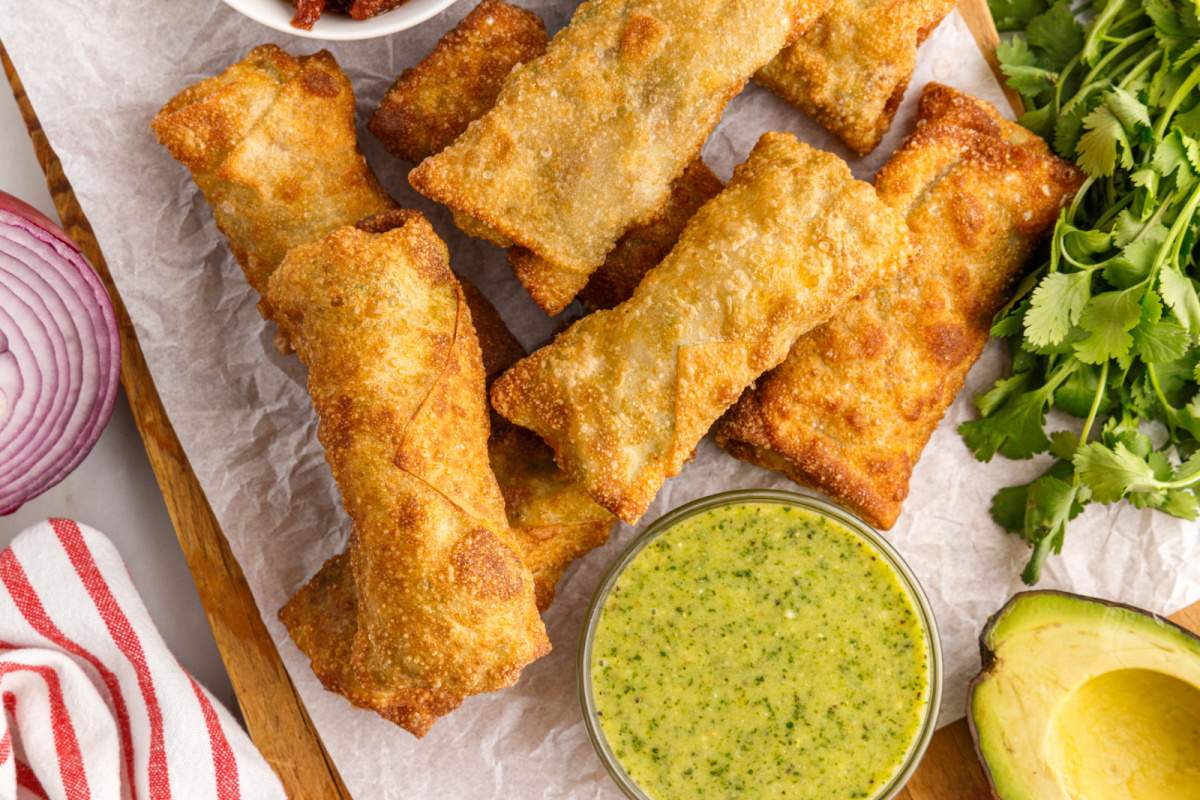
x=1015, y=430
x=1008, y=507
x=1055, y=35
x=1056, y=305
x=1103, y=143
x=1181, y=503
x=1014, y=15
x=1069, y=127
x=1113, y=472
x=1107, y=327
x=1179, y=293
x=1020, y=65
x=1108, y=318
x=1177, y=152
x=1133, y=265
x=1160, y=341
x=1128, y=109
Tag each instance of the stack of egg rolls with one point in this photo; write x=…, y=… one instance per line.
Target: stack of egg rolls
x=444, y=605
x=299, y=112
x=881, y=471
x=854, y=404
x=432, y=103
x=586, y=140
x=624, y=395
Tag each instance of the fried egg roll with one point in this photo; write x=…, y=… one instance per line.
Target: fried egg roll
x=444, y=606
x=854, y=404
x=271, y=143
x=624, y=395
x=553, y=519
x=585, y=141
x=432, y=103
x=850, y=69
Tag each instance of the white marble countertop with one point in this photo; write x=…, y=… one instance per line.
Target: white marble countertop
x=113, y=490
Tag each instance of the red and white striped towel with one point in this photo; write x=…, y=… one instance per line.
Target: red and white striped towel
x=95, y=706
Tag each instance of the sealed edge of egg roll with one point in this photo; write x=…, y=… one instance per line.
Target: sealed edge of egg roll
x=585, y=141
x=624, y=395
x=444, y=606
x=271, y=143
x=856, y=401
x=850, y=69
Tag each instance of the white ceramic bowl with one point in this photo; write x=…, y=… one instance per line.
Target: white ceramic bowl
x=278, y=14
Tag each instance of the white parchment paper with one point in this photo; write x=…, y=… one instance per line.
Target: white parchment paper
x=97, y=70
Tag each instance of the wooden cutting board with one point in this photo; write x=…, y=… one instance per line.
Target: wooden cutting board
x=274, y=714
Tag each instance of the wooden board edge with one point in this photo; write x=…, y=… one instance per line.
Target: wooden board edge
x=274, y=713
x=978, y=17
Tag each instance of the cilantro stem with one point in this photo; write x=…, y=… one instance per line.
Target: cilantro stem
x=1100, y=26
x=1173, y=104
x=1162, y=398
x=1143, y=65
x=1041, y=549
x=1062, y=81
x=1101, y=387
x=1174, y=238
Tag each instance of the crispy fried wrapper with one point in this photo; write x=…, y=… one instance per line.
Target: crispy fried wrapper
x=586, y=141
x=431, y=104
x=443, y=605
x=854, y=404
x=623, y=396
x=554, y=519
x=271, y=143
x=850, y=69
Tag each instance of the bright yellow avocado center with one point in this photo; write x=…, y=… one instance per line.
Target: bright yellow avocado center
x=1088, y=701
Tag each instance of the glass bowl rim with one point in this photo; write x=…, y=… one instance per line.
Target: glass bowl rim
x=830, y=510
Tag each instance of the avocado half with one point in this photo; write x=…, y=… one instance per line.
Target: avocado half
x=1082, y=699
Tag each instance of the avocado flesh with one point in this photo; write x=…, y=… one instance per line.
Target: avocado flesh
x=1086, y=700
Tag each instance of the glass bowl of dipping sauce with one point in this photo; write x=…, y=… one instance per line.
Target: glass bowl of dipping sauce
x=760, y=644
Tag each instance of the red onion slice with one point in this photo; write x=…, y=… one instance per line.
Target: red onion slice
x=59, y=355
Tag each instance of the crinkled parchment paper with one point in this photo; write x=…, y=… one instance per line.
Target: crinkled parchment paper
x=97, y=71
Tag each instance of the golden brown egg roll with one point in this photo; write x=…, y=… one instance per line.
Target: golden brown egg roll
x=552, y=518
x=444, y=606
x=271, y=143
x=850, y=69
x=623, y=396
x=431, y=104
x=585, y=141
x=854, y=404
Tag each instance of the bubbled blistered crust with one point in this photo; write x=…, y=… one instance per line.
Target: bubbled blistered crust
x=444, y=606
x=854, y=404
x=850, y=69
x=585, y=141
x=271, y=142
x=432, y=103
x=623, y=396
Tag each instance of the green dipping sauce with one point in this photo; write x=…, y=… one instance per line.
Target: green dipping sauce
x=760, y=650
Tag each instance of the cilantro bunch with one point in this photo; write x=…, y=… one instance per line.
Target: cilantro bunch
x=1106, y=328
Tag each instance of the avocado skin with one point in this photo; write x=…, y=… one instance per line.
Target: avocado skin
x=989, y=660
